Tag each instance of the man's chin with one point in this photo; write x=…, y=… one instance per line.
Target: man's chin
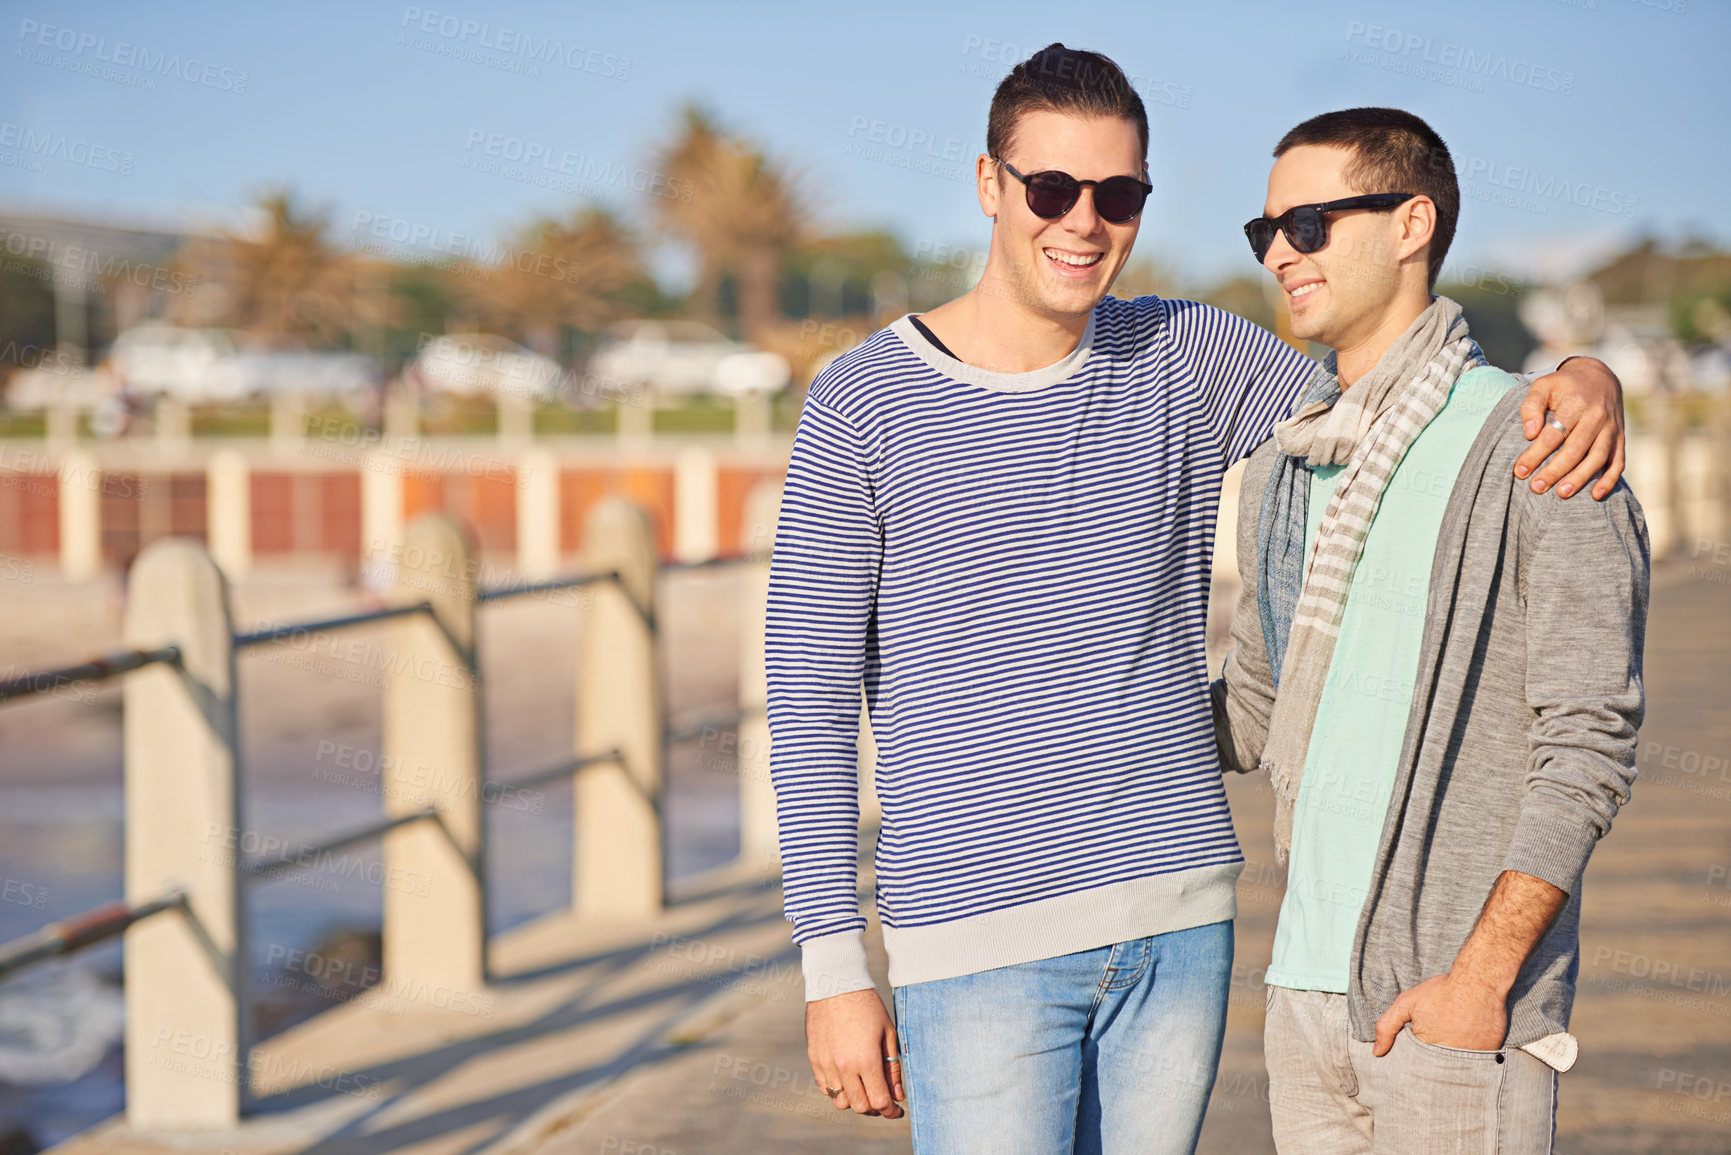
x=1070, y=298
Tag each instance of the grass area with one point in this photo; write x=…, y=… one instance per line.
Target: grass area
x=230, y=420
x=27, y=425
x=454, y=417
x=558, y=420
x=696, y=415
x=457, y=416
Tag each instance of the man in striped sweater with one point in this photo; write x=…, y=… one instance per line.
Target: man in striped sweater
x=998, y=519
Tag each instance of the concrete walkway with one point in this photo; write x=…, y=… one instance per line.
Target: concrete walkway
x=576, y=1007
x=1655, y=1067
x=685, y=1037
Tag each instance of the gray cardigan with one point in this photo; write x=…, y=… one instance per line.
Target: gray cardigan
x=1520, y=745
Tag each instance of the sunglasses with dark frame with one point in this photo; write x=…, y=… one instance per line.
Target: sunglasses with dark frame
x=1306, y=226
x=1051, y=194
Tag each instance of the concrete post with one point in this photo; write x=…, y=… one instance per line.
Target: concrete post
x=381, y=509
x=696, y=512
x=228, y=504
x=636, y=422
x=1719, y=468
x=61, y=429
x=758, y=843
x=402, y=414
x=1668, y=423
x=288, y=422
x=435, y=885
x=80, y=500
x=751, y=417
x=186, y=986
x=516, y=414
x=173, y=424
x=538, y=513
x=618, y=859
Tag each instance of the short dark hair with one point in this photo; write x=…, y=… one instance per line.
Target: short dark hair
x=1394, y=151
x=1059, y=79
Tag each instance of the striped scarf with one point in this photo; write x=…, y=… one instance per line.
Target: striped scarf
x=1368, y=429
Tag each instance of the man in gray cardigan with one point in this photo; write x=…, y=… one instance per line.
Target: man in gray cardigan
x=1439, y=669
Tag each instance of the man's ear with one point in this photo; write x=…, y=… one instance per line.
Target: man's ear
x=986, y=184
x=1418, y=224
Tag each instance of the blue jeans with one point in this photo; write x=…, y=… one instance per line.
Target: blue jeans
x=1109, y=1051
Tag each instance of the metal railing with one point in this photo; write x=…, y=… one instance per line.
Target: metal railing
x=95, y=670
x=81, y=930
x=110, y=919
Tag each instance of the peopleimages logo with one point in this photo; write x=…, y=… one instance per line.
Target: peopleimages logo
x=1545, y=187
x=554, y=162
x=58, y=146
x=463, y=33
x=125, y=54
x=1460, y=58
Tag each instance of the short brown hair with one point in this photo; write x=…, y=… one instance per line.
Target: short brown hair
x=1059, y=79
x=1394, y=151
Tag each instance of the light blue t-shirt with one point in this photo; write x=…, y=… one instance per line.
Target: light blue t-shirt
x=1361, y=718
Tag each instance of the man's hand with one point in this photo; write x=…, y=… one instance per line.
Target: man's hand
x=852, y=1045
x=1468, y=1008
x=1447, y=1011
x=1588, y=399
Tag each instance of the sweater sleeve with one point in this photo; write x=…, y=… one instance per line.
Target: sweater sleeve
x=1243, y=695
x=1249, y=377
x=1586, y=614
x=822, y=589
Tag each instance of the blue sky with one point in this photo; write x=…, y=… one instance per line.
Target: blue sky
x=1575, y=124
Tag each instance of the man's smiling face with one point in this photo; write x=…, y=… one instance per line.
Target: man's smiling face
x=1062, y=267
x=1340, y=290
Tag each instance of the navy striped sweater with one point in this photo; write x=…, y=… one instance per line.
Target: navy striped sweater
x=1016, y=569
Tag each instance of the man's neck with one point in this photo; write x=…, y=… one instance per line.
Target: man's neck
x=990, y=328
x=1357, y=356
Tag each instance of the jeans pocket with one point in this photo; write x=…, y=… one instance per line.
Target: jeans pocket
x=1495, y=1056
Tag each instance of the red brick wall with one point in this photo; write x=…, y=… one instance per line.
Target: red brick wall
x=580, y=489
x=300, y=512
x=29, y=513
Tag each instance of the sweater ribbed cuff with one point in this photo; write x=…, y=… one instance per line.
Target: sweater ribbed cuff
x=1552, y=842
x=835, y=964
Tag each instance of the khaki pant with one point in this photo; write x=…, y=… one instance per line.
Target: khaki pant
x=1330, y=1096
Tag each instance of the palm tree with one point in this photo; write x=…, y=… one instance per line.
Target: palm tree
x=555, y=274
x=764, y=219
x=689, y=162
x=286, y=283
x=745, y=212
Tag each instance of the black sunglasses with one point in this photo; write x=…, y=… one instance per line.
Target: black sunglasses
x=1051, y=194
x=1306, y=226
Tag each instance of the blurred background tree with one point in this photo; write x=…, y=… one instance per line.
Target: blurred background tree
x=576, y=273
x=741, y=211
x=287, y=284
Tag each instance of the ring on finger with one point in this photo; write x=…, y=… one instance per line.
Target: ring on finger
x=1554, y=422
x=832, y=1092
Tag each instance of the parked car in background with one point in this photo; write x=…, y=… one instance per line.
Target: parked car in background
x=477, y=364
x=683, y=358
x=261, y=373
x=215, y=365
x=155, y=359
x=43, y=387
